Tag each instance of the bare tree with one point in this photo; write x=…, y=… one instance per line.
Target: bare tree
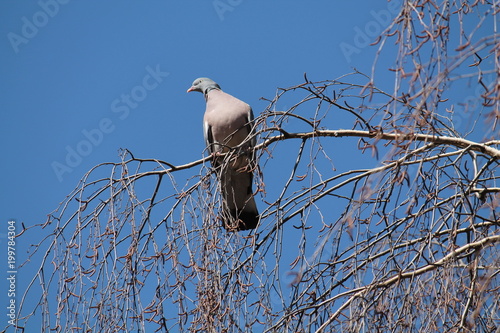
x=403, y=238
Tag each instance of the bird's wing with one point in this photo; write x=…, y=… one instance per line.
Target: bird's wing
x=228, y=122
x=207, y=135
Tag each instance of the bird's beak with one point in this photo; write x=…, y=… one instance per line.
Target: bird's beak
x=190, y=89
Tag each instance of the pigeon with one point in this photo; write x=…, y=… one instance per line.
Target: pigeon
x=228, y=123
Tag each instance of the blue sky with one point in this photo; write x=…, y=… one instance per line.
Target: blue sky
x=82, y=79
x=68, y=66
x=61, y=81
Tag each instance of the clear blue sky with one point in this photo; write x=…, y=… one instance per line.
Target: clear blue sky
x=114, y=74
x=74, y=70
x=66, y=71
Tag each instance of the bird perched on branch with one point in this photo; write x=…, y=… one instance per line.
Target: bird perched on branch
x=228, y=128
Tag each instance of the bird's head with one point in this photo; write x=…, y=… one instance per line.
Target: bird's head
x=203, y=85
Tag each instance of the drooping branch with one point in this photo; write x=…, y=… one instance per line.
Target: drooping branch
x=360, y=292
x=460, y=143
x=404, y=239
x=485, y=148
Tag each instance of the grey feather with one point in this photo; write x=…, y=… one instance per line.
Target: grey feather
x=228, y=122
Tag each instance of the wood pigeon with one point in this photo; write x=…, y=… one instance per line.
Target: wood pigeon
x=229, y=122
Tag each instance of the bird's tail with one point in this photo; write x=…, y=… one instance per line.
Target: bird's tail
x=241, y=211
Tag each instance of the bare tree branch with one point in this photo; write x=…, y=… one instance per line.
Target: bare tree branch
x=390, y=224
